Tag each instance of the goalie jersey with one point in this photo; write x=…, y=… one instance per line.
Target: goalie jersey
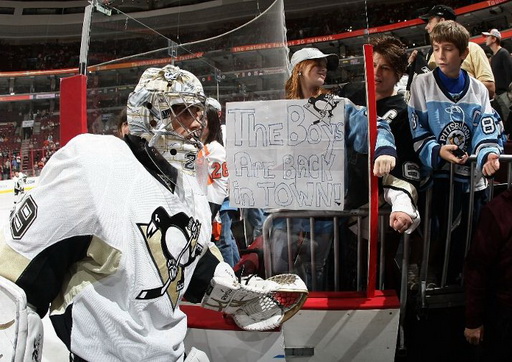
x=438, y=118
x=111, y=243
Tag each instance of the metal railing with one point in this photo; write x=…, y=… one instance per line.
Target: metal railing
x=338, y=218
x=361, y=263
x=425, y=299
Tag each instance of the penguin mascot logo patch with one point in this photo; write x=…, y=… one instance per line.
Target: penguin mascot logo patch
x=172, y=242
x=322, y=106
x=456, y=132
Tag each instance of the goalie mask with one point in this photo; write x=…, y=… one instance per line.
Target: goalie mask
x=166, y=108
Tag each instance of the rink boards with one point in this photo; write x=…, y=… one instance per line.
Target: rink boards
x=333, y=326
x=7, y=186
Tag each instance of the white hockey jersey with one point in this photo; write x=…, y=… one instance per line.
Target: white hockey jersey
x=110, y=238
x=437, y=119
x=19, y=182
x=215, y=155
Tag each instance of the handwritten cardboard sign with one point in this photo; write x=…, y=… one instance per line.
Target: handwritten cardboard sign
x=286, y=154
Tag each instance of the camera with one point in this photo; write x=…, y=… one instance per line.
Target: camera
x=458, y=152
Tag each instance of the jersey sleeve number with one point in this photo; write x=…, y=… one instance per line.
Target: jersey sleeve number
x=219, y=170
x=24, y=216
x=190, y=160
x=488, y=125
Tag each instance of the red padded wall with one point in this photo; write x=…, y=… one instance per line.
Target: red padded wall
x=73, y=107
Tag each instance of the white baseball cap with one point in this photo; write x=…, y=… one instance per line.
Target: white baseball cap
x=213, y=103
x=314, y=53
x=493, y=32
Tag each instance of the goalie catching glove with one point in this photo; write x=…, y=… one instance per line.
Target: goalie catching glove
x=255, y=304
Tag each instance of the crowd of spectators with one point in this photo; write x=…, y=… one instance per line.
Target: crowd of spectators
x=39, y=56
x=27, y=149
x=59, y=54
x=64, y=54
x=356, y=16
x=9, y=143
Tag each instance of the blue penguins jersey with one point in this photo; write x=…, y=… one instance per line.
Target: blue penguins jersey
x=356, y=131
x=111, y=240
x=436, y=118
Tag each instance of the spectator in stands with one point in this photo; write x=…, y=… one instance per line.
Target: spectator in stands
x=6, y=170
x=35, y=169
x=301, y=25
x=15, y=164
x=214, y=154
x=450, y=116
x=40, y=163
x=401, y=185
x=501, y=64
x=475, y=63
x=390, y=63
x=309, y=70
x=122, y=124
x=488, y=281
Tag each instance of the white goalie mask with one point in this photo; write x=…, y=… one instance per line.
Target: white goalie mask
x=167, y=109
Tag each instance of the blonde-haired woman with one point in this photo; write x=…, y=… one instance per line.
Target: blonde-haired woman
x=309, y=71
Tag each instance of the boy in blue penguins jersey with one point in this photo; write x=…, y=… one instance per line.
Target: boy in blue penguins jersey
x=450, y=117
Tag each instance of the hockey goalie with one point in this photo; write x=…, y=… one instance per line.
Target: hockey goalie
x=117, y=233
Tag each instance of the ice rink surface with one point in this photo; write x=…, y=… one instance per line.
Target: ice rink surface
x=53, y=349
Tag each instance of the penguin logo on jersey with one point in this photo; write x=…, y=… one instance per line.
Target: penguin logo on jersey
x=456, y=132
x=173, y=244
x=322, y=106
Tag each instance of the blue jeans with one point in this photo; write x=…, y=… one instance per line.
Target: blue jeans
x=300, y=246
x=253, y=222
x=227, y=244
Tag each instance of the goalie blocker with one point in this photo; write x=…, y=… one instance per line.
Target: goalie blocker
x=255, y=304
